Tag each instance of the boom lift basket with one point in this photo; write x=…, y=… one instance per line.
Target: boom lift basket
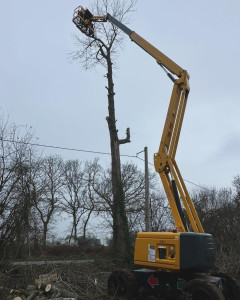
x=82, y=18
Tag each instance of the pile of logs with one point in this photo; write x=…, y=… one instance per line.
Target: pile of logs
x=46, y=287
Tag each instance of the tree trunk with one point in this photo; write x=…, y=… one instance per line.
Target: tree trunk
x=75, y=224
x=86, y=222
x=121, y=241
x=44, y=235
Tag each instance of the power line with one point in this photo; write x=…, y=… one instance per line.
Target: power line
x=89, y=151
x=63, y=148
x=202, y=187
x=183, y=178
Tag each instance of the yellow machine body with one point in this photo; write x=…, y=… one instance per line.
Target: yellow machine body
x=174, y=251
x=160, y=250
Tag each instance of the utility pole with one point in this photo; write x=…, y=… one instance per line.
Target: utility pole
x=147, y=207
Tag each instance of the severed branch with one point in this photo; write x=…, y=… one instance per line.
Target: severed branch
x=127, y=139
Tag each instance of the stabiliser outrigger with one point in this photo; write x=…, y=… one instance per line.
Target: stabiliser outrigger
x=175, y=264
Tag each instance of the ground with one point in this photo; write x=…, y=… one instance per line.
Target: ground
x=88, y=280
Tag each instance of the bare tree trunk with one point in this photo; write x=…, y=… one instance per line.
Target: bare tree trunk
x=121, y=240
x=75, y=224
x=44, y=236
x=86, y=222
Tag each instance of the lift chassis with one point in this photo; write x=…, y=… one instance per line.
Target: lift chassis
x=141, y=283
x=172, y=264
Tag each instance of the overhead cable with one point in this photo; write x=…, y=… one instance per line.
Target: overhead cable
x=88, y=151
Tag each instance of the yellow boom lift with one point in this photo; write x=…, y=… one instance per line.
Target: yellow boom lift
x=175, y=263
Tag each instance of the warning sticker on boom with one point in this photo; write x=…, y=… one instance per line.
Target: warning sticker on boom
x=151, y=253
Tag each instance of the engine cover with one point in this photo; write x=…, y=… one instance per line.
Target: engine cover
x=174, y=251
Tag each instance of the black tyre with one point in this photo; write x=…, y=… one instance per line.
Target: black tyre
x=202, y=289
x=231, y=288
x=122, y=283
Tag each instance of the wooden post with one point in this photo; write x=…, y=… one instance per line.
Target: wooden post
x=147, y=208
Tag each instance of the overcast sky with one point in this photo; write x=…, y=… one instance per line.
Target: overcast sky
x=67, y=106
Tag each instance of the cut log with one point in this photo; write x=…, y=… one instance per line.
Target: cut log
x=48, y=287
x=44, y=280
x=41, y=285
x=38, y=283
x=19, y=292
x=31, y=288
x=53, y=289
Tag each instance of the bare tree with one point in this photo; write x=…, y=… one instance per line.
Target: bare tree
x=73, y=195
x=91, y=168
x=134, y=188
x=236, y=185
x=160, y=213
x=219, y=212
x=103, y=49
x=47, y=203
x=27, y=190
x=15, y=152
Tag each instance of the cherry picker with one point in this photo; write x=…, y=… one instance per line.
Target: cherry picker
x=175, y=263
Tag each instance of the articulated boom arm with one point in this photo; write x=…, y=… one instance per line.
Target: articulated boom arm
x=164, y=159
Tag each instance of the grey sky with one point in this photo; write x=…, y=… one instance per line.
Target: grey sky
x=67, y=106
